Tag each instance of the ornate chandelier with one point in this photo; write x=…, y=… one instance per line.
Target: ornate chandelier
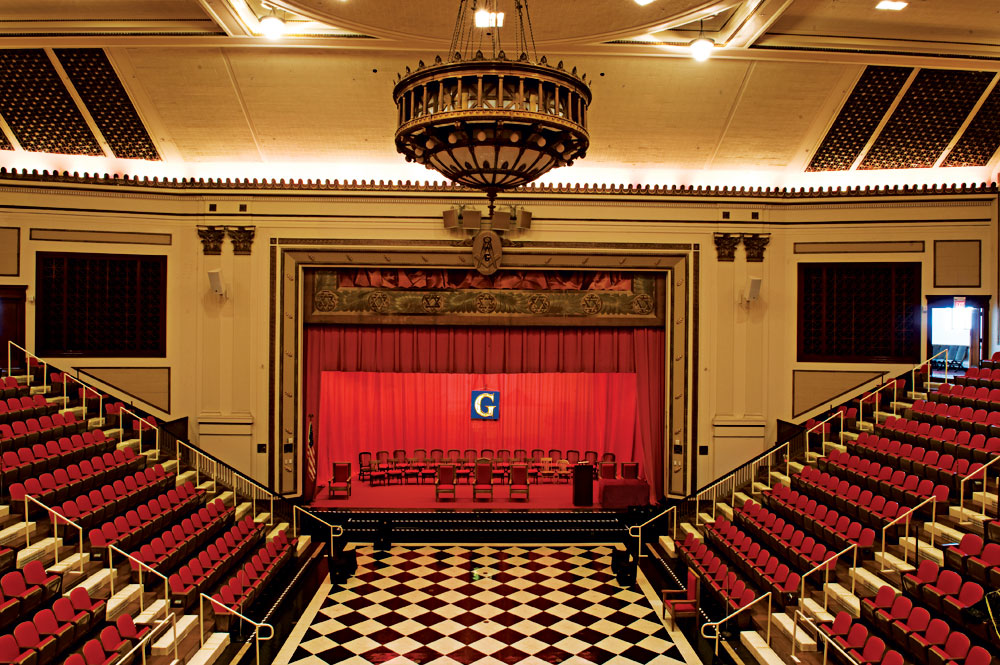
x=489, y=119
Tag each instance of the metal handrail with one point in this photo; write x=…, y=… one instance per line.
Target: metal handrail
x=730, y=616
x=27, y=369
x=141, y=565
x=861, y=403
x=961, y=489
x=135, y=415
x=256, y=626
x=754, y=465
x=826, y=577
x=55, y=527
x=336, y=531
x=86, y=388
x=826, y=640
x=837, y=414
x=635, y=530
x=916, y=368
x=172, y=620
x=908, y=516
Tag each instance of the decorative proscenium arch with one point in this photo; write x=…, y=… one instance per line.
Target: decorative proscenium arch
x=292, y=258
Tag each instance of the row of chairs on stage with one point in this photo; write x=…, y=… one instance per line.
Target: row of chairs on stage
x=418, y=466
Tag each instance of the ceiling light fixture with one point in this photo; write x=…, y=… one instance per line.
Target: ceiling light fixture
x=643, y=3
x=701, y=48
x=487, y=19
x=894, y=5
x=272, y=26
x=488, y=120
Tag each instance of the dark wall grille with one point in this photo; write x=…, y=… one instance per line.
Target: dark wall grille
x=859, y=312
x=981, y=138
x=935, y=106
x=101, y=305
x=38, y=108
x=5, y=143
x=102, y=92
x=870, y=99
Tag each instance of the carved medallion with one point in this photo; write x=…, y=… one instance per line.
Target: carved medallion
x=642, y=304
x=539, y=303
x=432, y=302
x=378, y=301
x=592, y=303
x=486, y=303
x=326, y=300
x=487, y=252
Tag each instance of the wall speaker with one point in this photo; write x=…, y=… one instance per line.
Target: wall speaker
x=753, y=288
x=215, y=283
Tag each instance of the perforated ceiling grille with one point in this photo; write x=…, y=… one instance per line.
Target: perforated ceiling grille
x=933, y=109
x=102, y=92
x=981, y=138
x=38, y=108
x=5, y=143
x=857, y=120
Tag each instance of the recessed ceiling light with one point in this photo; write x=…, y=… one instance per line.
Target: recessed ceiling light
x=895, y=5
x=643, y=3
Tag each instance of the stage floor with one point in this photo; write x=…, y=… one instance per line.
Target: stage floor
x=543, y=496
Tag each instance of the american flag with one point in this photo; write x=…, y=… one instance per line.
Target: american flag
x=310, y=454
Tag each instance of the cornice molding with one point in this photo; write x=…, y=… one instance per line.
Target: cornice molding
x=236, y=185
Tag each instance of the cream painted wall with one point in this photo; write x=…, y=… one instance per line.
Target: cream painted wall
x=218, y=349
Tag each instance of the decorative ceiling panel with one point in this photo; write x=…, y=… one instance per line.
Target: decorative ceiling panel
x=934, y=107
x=981, y=138
x=98, y=85
x=38, y=108
x=871, y=98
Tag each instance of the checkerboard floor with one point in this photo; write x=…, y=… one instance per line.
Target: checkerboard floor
x=485, y=605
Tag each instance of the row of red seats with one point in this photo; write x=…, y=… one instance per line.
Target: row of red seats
x=755, y=561
x=970, y=557
x=137, y=493
x=212, y=563
x=26, y=589
x=28, y=462
x=974, y=395
x=960, y=443
x=730, y=589
x=976, y=376
x=76, y=615
x=943, y=591
x=29, y=406
x=245, y=586
x=970, y=418
x=862, y=504
x=855, y=640
x=973, y=448
x=943, y=437
x=113, y=643
x=886, y=480
x=30, y=430
x=9, y=387
x=124, y=531
x=800, y=547
x=53, y=488
x=827, y=524
x=164, y=552
x=944, y=469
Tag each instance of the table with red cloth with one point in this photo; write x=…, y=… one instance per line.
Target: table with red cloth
x=616, y=493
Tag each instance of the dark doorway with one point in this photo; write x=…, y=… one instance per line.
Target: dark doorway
x=960, y=325
x=12, y=299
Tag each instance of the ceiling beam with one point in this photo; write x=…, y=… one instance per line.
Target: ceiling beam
x=761, y=16
x=226, y=17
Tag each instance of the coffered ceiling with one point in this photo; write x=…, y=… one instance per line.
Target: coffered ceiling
x=798, y=92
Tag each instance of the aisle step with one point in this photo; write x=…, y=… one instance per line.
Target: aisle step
x=44, y=550
x=119, y=603
x=971, y=519
x=228, y=499
x=760, y=487
x=894, y=562
x=913, y=395
x=991, y=500
x=803, y=640
x=795, y=467
x=170, y=466
x=741, y=498
x=851, y=436
x=866, y=426
x=780, y=477
x=282, y=526
x=4, y=512
x=844, y=596
x=68, y=564
x=302, y=544
x=943, y=533
x=153, y=612
x=215, y=645
x=867, y=579
x=114, y=433
x=262, y=518
x=185, y=626
x=926, y=551
x=757, y=646
x=187, y=476
x=134, y=444
x=667, y=545
x=243, y=509
x=15, y=532
x=96, y=584
x=815, y=611
x=725, y=510
x=687, y=527
x=705, y=518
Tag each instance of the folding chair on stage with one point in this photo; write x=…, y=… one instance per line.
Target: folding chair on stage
x=519, y=481
x=341, y=480
x=483, y=480
x=444, y=483
x=364, y=465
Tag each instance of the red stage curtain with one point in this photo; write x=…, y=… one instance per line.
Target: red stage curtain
x=507, y=350
x=373, y=411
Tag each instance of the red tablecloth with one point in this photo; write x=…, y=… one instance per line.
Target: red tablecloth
x=622, y=493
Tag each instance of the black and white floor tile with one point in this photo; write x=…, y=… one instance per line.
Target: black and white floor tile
x=482, y=606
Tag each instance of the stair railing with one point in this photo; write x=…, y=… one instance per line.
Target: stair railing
x=140, y=566
x=972, y=476
x=916, y=368
x=635, y=531
x=336, y=531
x=723, y=620
x=826, y=640
x=893, y=383
x=55, y=527
x=148, y=639
x=840, y=435
x=148, y=423
x=908, y=515
x=256, y=626
x=825, y=566
x=27, y=368
x=86, y=389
